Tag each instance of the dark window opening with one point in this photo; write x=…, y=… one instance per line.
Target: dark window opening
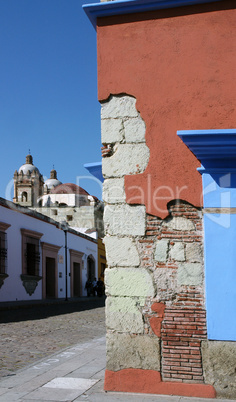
x=24, y=197
x=3, y=252
x=32, y=257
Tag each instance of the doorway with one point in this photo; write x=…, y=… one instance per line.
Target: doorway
x=76, y=268
x=50, y=270
x=90, y=268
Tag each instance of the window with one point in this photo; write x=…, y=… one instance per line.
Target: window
x=30, y=252
x=3, y=252
x=32, y=257
x=24, y=196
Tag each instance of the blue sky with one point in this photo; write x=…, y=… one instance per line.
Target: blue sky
x=48, y=90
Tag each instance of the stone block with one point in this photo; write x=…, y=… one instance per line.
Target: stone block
x=132, y=282
x=177, y=252
x=112, y=130
x=194, y=252
x=166, y=283
x=119, y=106
x=179, y=223
x=161, y=250
x=125, y=220
x=135, y=129
x=123, y=315
x=127, y=159
x=132, y=351
x=219, y=367
x=190, y=274
x=121, y=252
x=114, y=191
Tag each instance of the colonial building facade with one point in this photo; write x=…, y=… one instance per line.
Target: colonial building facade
x=167, y=89
x=40, y=258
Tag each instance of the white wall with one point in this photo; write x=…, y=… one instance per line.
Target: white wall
x=13, y=288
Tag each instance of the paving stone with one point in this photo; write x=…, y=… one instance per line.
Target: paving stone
x=52, y=394
x=30, y=334
x=81, y=384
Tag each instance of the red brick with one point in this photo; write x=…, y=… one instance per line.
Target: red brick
x=170, y=355
x=186, y=364
x=170, y=371
x=171, y=343
x=170, y=338
x=171, y=314
x=146, y=241
x=195, y=352
x=192, y=344
x=169, y=326
x=194, y=359
x=178, y=351
x=195, y=369
x=184, y=319
x=192, y=327
x=198, y=377
x=183, y=376
x=170, y=363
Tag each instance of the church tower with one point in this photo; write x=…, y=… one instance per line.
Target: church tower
x=52, y=182
x=28, y=184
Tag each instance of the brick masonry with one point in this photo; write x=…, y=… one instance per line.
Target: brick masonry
x=182, y=331
x=181, y=324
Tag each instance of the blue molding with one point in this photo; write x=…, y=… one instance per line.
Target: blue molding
x=95, y=169
x=216, y=149
x=111, y=8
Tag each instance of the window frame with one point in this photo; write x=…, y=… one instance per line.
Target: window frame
x=26, y=235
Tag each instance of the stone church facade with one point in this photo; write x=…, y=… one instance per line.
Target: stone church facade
x=61, y=202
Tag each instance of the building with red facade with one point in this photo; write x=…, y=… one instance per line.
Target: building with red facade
x=166, y=79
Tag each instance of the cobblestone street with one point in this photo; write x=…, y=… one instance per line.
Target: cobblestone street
x=31, y=333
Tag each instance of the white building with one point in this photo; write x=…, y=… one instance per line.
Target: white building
x=33, y=260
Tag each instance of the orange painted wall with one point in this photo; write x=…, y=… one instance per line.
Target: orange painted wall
x=180, y=66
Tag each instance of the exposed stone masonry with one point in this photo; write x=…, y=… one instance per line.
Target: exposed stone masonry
x=155, y=312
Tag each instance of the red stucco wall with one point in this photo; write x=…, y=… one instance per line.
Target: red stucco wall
x=180, y=65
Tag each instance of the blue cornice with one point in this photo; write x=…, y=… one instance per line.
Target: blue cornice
x=119, y=7
x=216, y=149
x=95, y=169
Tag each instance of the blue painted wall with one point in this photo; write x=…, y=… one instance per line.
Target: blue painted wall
x=219, y=189
x=220, y=272
x=216, y=149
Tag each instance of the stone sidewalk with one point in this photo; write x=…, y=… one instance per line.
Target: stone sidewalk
x=73, y=374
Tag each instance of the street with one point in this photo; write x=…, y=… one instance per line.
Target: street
x=30, y=333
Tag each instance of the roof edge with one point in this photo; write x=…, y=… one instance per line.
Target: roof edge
x=119, y=7
x=37, y=215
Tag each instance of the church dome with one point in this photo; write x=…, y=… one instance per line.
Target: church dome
x=28, y=166
x=53, y=181
x=69, y=188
